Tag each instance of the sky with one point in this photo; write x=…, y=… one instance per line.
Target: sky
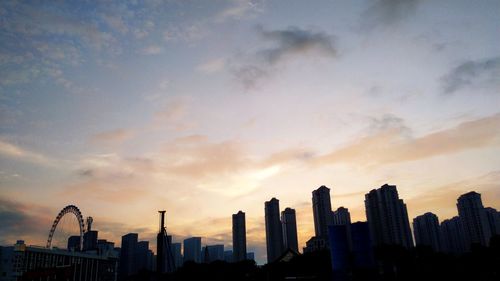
x=205, y=108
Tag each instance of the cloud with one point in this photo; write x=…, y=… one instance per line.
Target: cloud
x=152, y=50
x=295, y=41
x=173, y=114
x=387, y=13
x=239, y=9
x=23, y=221
x=212, y=66
x=286, y=43
x=473, y=73
x=394, y=144
x=13, y=151
x=113, y=136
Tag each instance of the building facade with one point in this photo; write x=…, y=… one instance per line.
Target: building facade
x=274, y=232
x=388, y=217
x=474, y=219
x=289, y=226
x=192, y=249
x=426, y=230
x=239, y=237
x=322, y=211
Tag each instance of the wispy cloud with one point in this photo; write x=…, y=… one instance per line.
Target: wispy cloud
x=152, y=50
x=473, y=73
x=212, y=66
x=388, y=13
x=112, y=136
x=393, y=144
x=16, y=152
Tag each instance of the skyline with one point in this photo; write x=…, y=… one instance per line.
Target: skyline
x=128, y=108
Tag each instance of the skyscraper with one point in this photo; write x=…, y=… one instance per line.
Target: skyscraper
x=452, y=236
x=474, y=220
x=322, y=211
x=493, y=217
x=128, y=255
x=177, y=254
x=211, y=253
x=388, y=217
x=274, y=234
x=141, y=255
x=239, y=237
x=341, y=216
x=192, y=249
x=426, y=230
x=289, y=225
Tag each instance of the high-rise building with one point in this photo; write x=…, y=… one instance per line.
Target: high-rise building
x=361, y=245
x=452, y=236
x=128, y=255
x=388, y=217
x=493, y=220
x=289, y=225
x=74, y=243
x=141, y=255
x=341, y=216
x=274, y=234
x=192, y=249
x=239, y=237
x=474, y=220
x=322, y=211
x=177, y=254
x=426, y=230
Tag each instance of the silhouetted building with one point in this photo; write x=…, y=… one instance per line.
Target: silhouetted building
x=251, y=256
x=341, y=216
x=362, y=248
x=141, y=255
x=239, y=237
x=90, y=240
x=339, y=249
x=128, y=265
x=211, y=253
x=74, y=243
x=289, y=225
x=426, y=230
x=452, y=236
x=228, y=256
x=37, y=263
x=322, y=211
x=314, y=244
x=474, y=220
x=106, y=248
x=493, y=220
x=192, y=249
x=177, y=254
x=274, y=233
x=388, y=217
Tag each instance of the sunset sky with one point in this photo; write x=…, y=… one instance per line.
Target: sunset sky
x=204, y=108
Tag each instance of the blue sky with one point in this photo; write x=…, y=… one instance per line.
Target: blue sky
x=204, y=108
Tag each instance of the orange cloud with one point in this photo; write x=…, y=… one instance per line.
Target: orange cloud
x=113, y=136
x=392, y=145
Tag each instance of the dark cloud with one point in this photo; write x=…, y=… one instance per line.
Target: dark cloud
x=295, y=41
x=486, y=71
x=286, y=43
x=20, y=221
x=388, y=12
x=249, y=75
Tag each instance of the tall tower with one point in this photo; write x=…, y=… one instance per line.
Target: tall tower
x=388, y=217
x=164, y=257
x=474, y=219
x=239, y=237
x=289, y=225
x=426, y=230
x=341, y=216
x=274, y=236
x=322, y=211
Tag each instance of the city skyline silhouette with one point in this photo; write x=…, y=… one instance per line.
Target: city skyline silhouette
x=207, y=108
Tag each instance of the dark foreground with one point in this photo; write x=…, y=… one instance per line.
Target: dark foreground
x=392, y=263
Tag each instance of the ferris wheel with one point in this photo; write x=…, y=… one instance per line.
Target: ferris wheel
x=65, y=225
